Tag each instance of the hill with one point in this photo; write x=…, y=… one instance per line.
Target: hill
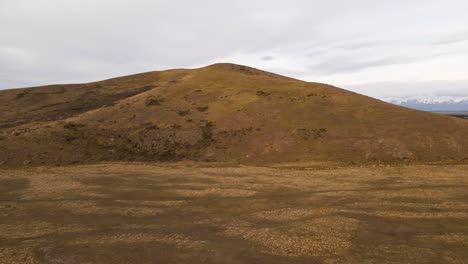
x=223, y=112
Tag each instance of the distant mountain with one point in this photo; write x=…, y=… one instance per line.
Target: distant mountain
x=432, y=103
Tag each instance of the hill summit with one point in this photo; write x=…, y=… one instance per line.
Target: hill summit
x=223, y=112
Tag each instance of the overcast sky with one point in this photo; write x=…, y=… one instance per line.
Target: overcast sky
x=377, y=47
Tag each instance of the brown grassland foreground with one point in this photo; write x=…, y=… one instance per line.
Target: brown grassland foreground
x=192, y=213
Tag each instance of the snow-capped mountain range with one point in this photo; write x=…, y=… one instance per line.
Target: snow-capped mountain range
x=432, y=103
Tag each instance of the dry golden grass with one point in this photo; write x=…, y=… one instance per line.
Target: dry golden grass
x=326, y=236
x=215, y=192
x=179, y=213
x=290, y=214
x=177, y=240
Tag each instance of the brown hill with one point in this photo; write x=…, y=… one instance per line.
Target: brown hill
x=222, y=112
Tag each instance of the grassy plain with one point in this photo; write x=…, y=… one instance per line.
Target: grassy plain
x=192, y=213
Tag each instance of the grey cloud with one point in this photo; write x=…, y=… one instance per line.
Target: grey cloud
x=452, y=39
x=55, y=41
x=436, y=88
x=355, y=64
x=267, y=58
x=341, y=65
x=359, y=45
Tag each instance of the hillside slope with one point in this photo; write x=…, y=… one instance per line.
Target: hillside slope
x=223, y=112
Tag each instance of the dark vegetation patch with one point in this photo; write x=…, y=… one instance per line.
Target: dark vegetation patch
x=152, y=127
x=308, y=134
x=207, y=133
x=245, y=69
x=183, y=112
x=47, y=106
x=248, y=70
x=56, y=89
x=91, y=99
x=202, y=108
x=262, y=93
x=93, y=86
x=151, y=101
x=163, y=144
x=11, y=185
x=318, y=95
x=148, y=87
x=20, y=95
x=236, y=132
x=73, y=126
x=70, y=138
